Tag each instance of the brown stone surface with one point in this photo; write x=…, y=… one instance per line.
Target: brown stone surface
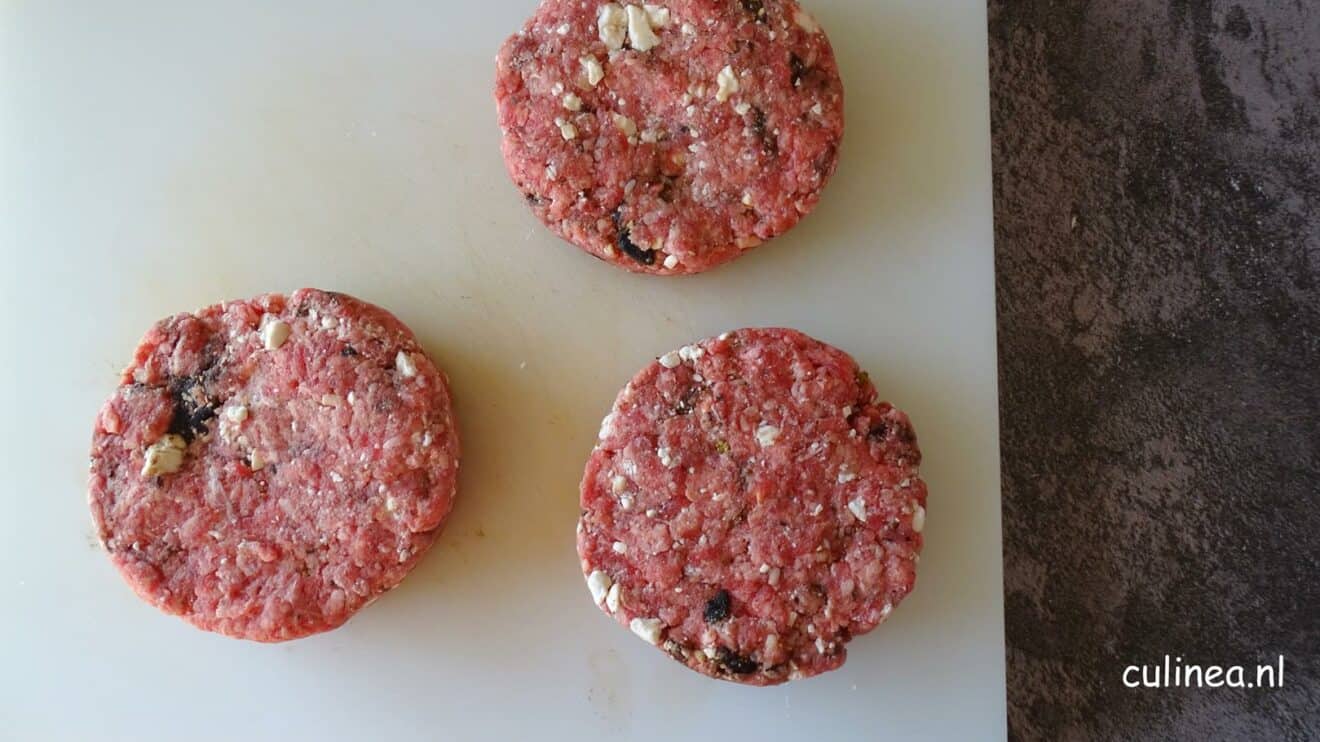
x=1157, y=178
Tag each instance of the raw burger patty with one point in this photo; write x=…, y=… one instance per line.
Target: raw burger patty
x=268, y=467
x=670, y=137
x=751, y=506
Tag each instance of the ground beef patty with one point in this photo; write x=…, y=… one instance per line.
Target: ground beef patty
x=751, y=506
x=669, y=137
x=268, y=467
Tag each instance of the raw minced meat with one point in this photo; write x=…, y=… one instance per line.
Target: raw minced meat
x=268, y=467
x=752, y=506
x=670, y=137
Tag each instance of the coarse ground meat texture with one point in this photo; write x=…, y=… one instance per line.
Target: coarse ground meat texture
x=268, y=467
x=751, y=506
x=668, y=138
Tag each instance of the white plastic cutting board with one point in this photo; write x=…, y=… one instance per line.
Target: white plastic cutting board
x=160, y=156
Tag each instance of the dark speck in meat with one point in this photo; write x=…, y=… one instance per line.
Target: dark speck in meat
x=756, y=8
x=717, y=608
x=768, y=142
x=735, y=663
x=629, y=248
x=797, y=67
x=191, y=409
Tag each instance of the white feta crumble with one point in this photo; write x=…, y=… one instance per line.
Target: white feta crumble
x=599, y=584
x=557, y=88
x=820, y=645
x=625, y=125
x=728, y=84
x=336, y=477
x=658, y=15
x=606, y=426
x=566, y=129
x=165, y=456
x=846, y=476
x=766, y=435
x=563, y=29
x=592, y=69
x=647, y=628
x=640, y=35
x=818, y=509
x=805, y=21
x=671, y=359
x=612, y=598
x=671, y=262
x=818, y=109
x=572, y=102
x=774, y=576
x=918, y=519
x=858, y=508
x=274, y=332
x=619, y=547
x=405, y=364
x=689, y=29
x=765, y=568
x=236, y=413
x=612, y=26
x=747, y=200
x=618, y=484
x=256, y=462
x=742, y=108
x=691, y=352
x=330, y=400
x=666, y=457
x=625, y=502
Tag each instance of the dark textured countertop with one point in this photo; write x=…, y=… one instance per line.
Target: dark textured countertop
x=1157, y=207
